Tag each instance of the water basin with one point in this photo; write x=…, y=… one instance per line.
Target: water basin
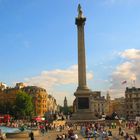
x=5, y=129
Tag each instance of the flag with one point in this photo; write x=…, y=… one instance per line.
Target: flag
x=124, y=82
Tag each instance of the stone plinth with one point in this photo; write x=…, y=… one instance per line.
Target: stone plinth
x=83, y=106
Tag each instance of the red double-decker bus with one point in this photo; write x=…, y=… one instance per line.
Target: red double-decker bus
x=5, y=118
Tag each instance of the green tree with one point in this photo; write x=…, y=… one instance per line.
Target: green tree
x=23, y=105
x=66, y=110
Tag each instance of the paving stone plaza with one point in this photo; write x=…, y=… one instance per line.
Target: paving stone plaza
x=53, y=134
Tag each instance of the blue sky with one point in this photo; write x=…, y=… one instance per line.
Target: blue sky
x=38, y=44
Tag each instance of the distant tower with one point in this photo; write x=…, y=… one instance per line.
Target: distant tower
x=65, y=102
x=108, y=96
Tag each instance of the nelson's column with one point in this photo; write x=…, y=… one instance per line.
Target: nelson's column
x=83, y=109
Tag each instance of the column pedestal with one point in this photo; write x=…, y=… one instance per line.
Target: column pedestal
x=83, y=106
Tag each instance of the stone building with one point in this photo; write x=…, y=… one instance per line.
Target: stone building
x=41, y=100
x=128, y=107
x=8, y=95
x=99, y=104
x=39, y=97
x=52, y=105
x=2, y=86
x=132, y=99
x=20, y=85
x=118, y=105
x=108, y=104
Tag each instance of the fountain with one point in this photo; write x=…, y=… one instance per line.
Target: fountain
x=17, y=133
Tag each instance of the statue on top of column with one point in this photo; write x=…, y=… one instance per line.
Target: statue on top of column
x=80, y=12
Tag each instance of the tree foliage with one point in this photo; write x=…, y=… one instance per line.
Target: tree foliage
x=23, y=104
x=66, y=110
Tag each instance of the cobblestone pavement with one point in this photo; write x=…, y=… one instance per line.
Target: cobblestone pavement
x=52, y=135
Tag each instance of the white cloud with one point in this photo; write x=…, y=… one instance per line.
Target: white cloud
x=131, y=54
x=58, y=77
x=128, y=70
x=48, y=79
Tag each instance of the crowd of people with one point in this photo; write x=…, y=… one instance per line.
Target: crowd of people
x=96, y=130
x=69, y=136
x=102, y=131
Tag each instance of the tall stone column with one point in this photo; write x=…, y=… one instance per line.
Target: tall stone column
x=80, y=22
x=83, y=102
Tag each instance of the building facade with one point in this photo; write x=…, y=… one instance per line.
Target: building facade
x=118, y=106
x=99, y=104
x=42, y=102
x=52, y=105
x=2, y=86
x=39, y=98
x=132, y=99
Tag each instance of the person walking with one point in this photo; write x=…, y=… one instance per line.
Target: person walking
x=120, y=130
x=31, y=135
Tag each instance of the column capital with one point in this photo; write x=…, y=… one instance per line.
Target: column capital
x=80, y=21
